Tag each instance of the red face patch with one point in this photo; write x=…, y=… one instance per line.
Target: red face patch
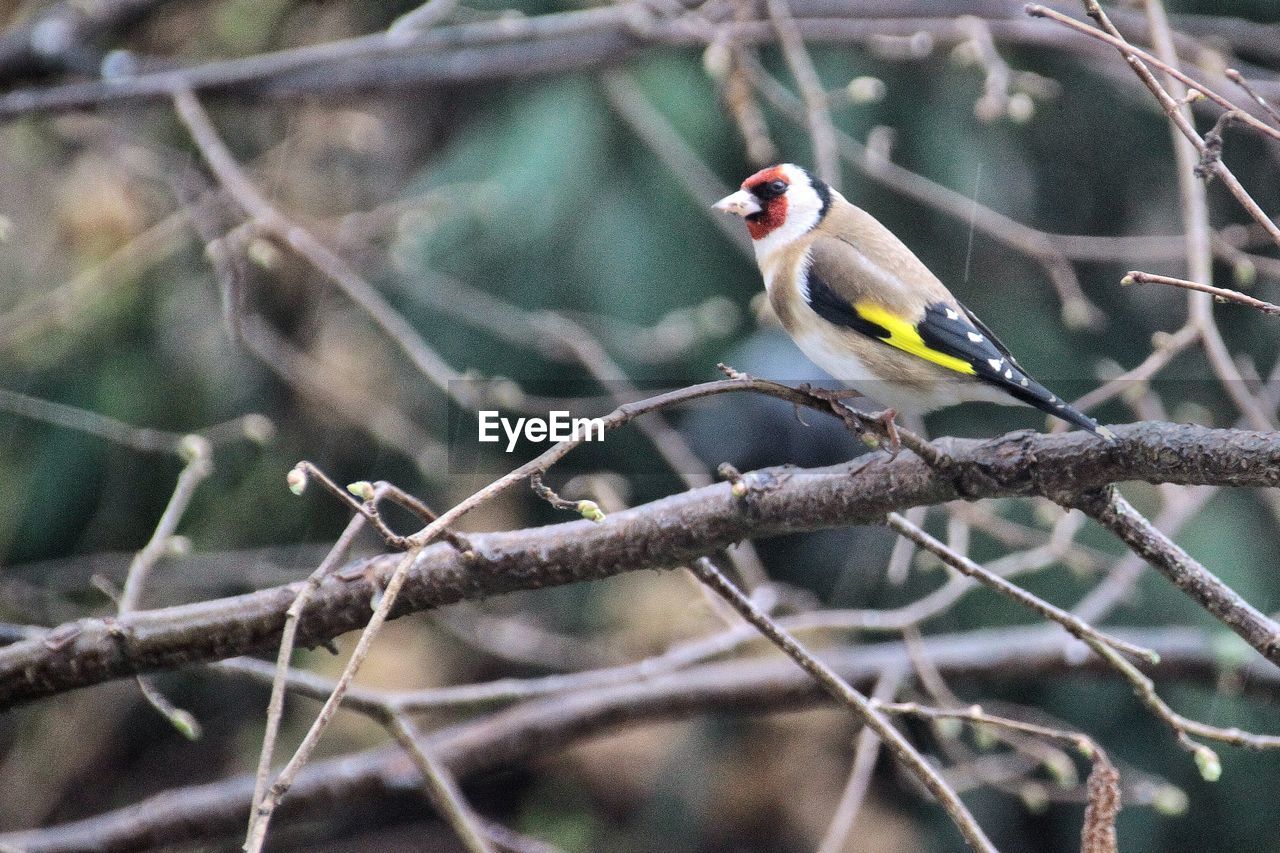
x=774, y=205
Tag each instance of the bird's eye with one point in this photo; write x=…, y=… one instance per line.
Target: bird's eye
x=771, y=190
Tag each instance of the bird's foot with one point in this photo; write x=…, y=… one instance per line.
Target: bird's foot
x=831, y=399
x=888, y=422
x=876, y=431
x=828, y=395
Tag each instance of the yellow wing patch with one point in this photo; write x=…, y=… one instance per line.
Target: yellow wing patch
x=903, y=335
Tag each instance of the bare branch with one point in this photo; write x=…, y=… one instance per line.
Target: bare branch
x=252, y=427
x=302, y=241
x=1222, y=294
x=199, y=466
x=1211, y=163
x=441, y=787
x=1073, y=624
x=1112, y=511
x=838, y=834
x=275, y=705
x=498, y=49
x=506, y=739
x=663, y=534
x=1127, y=48
x=822, y=132
x=1239, y=79
x=897, y=744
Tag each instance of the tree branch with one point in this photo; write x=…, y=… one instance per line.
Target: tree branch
x=1109, y=509
x=544, y=44
x=663, y=534
x=1222, y=294
x=512, y=736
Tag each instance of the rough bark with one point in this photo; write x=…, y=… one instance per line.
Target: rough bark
x=662, y=534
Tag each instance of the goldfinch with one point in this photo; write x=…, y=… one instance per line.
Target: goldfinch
x=865, y=309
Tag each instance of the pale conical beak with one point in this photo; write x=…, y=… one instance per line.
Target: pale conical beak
x=741, y=203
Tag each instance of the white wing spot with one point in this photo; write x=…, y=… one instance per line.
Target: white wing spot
x=951, y=315
x=975, y=337
x=1024, y=382
x=1008, y=374
x=995, y=363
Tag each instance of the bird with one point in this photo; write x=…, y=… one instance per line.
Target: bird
x=865, y=309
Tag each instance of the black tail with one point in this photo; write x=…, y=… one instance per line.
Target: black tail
x=969, y=339
x=1032, y=393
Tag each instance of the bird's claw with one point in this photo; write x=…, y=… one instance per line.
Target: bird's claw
x=857, y=422
x=888, y=420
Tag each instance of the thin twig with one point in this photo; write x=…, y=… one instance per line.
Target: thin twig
x=256, y=836
x=441, y=787
x=862, y=707
x=199, y=465
x=1168, y=345
x=1195, y=209
x=1181, y=505
x=904, y=550
x=1074, y=625
x=1165, y=64
x=1183, y=727
x=1222, y=294
x=1037, y=752
x=994, y=102
x=1098, y=834
x=1111, y=510
x=1174, y=108
x=1239, y=79
x=822, y=131
x=275, y=705
x=267, y=216
x=840, y=830
x=252, y=427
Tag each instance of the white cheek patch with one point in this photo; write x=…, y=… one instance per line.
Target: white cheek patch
x=796, y=225
x=804, y=209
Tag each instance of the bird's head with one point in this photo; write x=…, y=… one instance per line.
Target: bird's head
x=782, y=202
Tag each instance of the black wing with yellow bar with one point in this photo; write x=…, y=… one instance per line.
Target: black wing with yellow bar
x=952, y=339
